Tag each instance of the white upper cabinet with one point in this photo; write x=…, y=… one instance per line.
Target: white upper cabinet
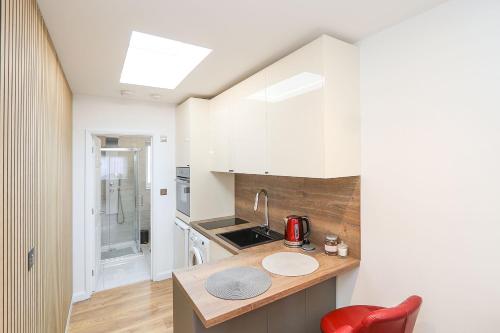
x=341, y=109
x=220, y=132
x=295, y=87
x=248, y=137
x=182, y=136
x=298, y=117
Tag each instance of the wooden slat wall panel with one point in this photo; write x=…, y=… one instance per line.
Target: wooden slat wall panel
x=333, y=205
x=35, y=182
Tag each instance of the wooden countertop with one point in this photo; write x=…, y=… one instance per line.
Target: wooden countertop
x=212, y=311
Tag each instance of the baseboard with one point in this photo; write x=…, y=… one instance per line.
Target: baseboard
x=81, y=296
x=69, y=317
x=162, y=276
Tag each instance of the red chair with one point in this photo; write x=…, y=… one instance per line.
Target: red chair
x=373, y=319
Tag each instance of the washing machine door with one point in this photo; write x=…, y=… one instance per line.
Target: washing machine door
x=195, y=257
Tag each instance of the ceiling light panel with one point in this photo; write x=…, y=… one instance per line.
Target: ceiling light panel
x=159, y=62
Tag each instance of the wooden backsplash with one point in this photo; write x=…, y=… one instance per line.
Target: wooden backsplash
x=333, y=205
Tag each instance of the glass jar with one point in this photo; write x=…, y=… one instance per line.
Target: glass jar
x=343, y=250
x=331, y=245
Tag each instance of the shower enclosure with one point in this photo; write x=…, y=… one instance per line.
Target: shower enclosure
x=120, y=203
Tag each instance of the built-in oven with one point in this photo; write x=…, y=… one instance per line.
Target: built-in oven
x=182, y=190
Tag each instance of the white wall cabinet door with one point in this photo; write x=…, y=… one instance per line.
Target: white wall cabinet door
x=249, y=132
x=295, y=114
x=182, y=135
x=304, y=123
x=220, y=131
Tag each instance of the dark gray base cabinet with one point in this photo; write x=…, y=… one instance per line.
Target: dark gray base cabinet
x=297, y=313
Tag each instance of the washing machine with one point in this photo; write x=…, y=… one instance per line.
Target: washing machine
x=199, y=247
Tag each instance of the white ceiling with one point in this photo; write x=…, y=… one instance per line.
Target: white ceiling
x=92, y=36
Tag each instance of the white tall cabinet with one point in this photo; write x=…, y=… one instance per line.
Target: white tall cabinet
x=182, y=135
x=298, y=117
x=211, y=193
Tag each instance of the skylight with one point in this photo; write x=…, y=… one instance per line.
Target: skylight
x=293, y=86
x=159, y=62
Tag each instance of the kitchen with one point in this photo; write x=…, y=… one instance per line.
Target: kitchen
x=264, y=179
x=264, y=167
x=232, y=156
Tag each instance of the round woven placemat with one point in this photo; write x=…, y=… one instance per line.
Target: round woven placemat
x=238, y=283
x=290, y=264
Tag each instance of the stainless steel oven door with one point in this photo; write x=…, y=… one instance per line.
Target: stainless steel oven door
x=182, y=193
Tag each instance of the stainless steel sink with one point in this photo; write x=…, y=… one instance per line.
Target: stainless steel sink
x=245, y=238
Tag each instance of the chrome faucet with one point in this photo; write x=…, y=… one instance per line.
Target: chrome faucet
x=266, y=210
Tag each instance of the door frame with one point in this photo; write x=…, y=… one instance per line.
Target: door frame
x=93, y=186
x=90, y=228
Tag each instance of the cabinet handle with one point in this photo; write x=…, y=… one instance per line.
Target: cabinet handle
x=231, y=170
x=266, y=172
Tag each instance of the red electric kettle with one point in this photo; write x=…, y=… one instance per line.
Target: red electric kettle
x=294, y=230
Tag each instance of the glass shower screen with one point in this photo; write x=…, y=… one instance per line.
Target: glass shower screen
x=120, y=215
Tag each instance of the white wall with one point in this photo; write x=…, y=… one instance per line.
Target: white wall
x=431, y=168
x=126, y=116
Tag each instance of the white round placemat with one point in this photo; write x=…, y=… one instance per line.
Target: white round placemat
x=238, y=283
x=290, y=264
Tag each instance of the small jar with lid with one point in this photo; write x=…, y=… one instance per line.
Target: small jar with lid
x=331, y=245
x=343, y=250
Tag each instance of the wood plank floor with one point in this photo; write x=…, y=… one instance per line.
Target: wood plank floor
x=140, y=307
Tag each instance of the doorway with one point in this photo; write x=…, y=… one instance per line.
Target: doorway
x=122, y=200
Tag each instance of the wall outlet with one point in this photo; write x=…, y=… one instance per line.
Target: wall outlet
x=163, y=191
x=31, y=258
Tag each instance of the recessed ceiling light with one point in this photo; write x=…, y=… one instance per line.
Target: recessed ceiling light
x=159, y=62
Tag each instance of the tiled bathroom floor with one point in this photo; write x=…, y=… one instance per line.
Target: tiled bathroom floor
x=116, y=273
x=115, y=253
